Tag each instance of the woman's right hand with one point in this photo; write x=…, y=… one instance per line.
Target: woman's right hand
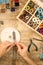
x=22, y=50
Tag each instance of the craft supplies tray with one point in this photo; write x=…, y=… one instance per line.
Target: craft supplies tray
x=32, y=16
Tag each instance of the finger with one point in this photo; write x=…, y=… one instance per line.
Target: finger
x=19, y=48
x=22, y=45
x=4, y=44
x=8, y=44
x=9, y=48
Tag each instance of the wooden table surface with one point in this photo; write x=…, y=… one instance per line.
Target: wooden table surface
x=10, y=20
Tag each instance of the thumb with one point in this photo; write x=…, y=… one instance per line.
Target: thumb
x=9, y=48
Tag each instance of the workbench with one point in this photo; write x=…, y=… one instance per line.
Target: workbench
x=10, y=20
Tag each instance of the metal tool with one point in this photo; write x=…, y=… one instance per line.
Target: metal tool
x=37, y=39
x=31, y=42
x=14, y=51
x=41, y=55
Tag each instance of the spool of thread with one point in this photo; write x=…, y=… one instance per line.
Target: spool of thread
x=16, y=2
x=3, y=10
x=12, y=9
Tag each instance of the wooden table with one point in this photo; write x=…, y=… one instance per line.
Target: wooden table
x=9, y=19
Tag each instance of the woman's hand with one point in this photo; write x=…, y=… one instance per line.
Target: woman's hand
x=5, y=47
x=22, y=50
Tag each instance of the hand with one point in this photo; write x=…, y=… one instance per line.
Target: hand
x=22, y=50
x=5, y=47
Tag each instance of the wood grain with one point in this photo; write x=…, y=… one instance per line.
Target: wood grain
x=10, y=20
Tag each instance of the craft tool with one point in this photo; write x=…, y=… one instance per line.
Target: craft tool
x=31, y=42
x=14, y=50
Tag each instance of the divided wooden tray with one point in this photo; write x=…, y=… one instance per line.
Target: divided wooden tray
x=32, y=16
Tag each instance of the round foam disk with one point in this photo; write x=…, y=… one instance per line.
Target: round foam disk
x=10, y=34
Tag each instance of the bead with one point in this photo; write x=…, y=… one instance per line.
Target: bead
x=26, y=17
x=31, y=4
x=35, y=24
x=41, y=26
x=38, y=16
x=27, y=8
x=40, y=10
x=32, y=10
x=30, y=23
x=34, y=19
x=41, y=30
x=35, y=6
x=41, y=17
